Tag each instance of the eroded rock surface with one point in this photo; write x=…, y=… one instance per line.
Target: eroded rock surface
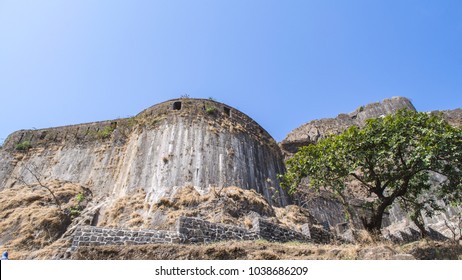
x=180, y=142
x=316, y=130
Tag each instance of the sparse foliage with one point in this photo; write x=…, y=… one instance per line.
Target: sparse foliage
x=23, y=146
x=210, y=110
x=106, y=132
x=391, y=158
x=80, y=197
x=33, y=170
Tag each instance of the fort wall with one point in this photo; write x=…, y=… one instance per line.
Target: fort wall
x=180, y=142
x=195, y=230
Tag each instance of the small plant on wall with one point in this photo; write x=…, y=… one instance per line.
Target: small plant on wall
x=106, y=132
x=210, y=110
x=23, y=146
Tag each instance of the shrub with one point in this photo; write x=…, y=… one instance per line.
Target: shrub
x=210, y=110
x=24, y=146
x=74, y=211
x=79, y=197
x=106, y=132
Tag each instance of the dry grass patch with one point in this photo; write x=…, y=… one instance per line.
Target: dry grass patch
x=253, y=250
x=29, y=218
x=126, y=212
x=230, y=205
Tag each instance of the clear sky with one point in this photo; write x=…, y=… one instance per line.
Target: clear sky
x=282, y=62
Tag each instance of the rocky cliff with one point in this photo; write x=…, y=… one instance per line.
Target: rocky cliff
x=316, y=130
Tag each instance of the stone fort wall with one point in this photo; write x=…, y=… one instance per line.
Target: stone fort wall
x=118, y=129
x=195, y=230
x=176, y=143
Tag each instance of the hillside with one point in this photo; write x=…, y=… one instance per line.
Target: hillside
x=199, y=159
x=263, y=250
x=34, y=229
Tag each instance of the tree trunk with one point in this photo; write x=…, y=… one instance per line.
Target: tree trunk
x=375, y=223
x=418, y=221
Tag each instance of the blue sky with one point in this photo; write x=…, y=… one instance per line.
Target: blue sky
x=281, y=62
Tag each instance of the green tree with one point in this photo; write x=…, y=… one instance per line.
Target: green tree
x=392, y=159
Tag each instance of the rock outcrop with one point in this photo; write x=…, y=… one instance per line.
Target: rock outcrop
x=316, y=130
x=453, y=117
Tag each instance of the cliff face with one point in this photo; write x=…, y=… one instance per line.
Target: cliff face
x=316, y=130
x=201, y=143
x=453, y=117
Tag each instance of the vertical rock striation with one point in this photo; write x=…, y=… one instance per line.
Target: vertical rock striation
x=179, y=142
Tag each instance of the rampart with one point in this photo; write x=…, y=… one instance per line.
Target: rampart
x=116, y=130
x=198, y=142
x=195, y=230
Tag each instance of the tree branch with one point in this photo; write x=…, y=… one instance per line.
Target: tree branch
x=34, y=174
x=361, y=180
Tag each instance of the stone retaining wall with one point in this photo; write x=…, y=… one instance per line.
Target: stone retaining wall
x=195, y=230
x=273, y=232
x=95, y=236
x=320, y=235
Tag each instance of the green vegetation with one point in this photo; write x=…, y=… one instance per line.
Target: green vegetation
x=24, y=146
x=392, y=159
x=74, y=211
x=80, y=197
x=210, y=110
x=106, y=132
x=131, y=121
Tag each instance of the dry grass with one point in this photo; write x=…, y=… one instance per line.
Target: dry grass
x=31, y=226
x=229, y=205
x=262, y=250
x=294, y=217
x=126, y=212
x=29, y=218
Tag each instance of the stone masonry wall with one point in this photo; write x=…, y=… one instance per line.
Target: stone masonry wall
x=194, y=230
x=320, y=235
x=95, y=236
x=272, y=232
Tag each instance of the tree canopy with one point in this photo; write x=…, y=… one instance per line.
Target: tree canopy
x=391, y=158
